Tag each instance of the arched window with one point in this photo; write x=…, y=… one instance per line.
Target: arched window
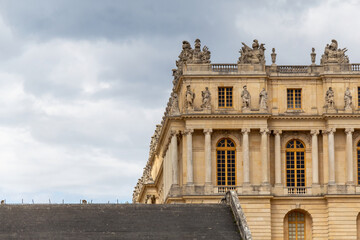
x=358, y=160
x=226, y=162
x=295, y=164
x=296, y=226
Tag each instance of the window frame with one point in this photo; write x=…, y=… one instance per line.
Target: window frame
x=295, y=150
x=358, y=96
x=358, y=161
x=226, y=162
x=293, y=99
x=225, y=97
x=296, y=222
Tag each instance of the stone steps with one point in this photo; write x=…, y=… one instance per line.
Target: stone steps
x=117, y=221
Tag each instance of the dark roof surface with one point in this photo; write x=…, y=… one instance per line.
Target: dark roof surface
x=117, y=221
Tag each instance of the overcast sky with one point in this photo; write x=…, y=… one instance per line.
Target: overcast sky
x=84, y=82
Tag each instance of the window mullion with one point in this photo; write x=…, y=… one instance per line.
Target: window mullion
x=226, y=167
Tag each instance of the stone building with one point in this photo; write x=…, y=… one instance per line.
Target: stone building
x=285, y=138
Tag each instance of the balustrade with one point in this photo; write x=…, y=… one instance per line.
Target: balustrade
x=224, y=67
x=292, y=69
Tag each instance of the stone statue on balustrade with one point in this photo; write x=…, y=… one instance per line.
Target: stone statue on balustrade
x=348, y=99
x=333, y=54
x=263, y=99
x=329, y=98
x=189, y=98
x=254, y=55
x=206, y=99
x=174, y=105
x=189, y=55
x=246, y=98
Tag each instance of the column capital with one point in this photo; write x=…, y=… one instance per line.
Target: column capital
x=174, y=132
x=208, y=131
x=330, y=130
x=314, y=132
x=349, y=130
x=188, y=131
x=277, y=132
x=264, y=131
x=245, y=130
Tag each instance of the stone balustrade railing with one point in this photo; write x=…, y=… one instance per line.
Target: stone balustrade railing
x=229, y=67
x=226, y=67
x=233, y=200
x=292, y=69
x=224, y=189
x=296, y=190
x=355, y=67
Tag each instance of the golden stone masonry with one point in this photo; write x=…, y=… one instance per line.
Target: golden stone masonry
x=285, y=138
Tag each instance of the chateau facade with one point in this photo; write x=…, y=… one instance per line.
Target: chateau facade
x=285, y=138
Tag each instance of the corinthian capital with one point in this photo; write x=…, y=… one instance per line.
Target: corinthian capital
x=188, y=131
x=276, y=132
x=208, y=131
x=314, y=132
x=349, y=130
x=264, y=131
x=245, y=130
x=330, y=130
x=174, y=132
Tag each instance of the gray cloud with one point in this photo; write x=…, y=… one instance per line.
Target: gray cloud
x=83, y=83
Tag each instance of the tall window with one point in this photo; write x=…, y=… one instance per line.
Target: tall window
x=294, y=98
x=295, y=164
x=296, y=226
x=358, y=160
x=359, y=97
x=225, y=97
x=226, y=162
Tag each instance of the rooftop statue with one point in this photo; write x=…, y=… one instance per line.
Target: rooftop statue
x=333, y=54
x=189, y=55
x=254, y=55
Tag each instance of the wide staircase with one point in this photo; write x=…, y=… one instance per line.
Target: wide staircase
x=118, y=221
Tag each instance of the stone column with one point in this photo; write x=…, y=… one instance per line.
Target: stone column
x=189, y=162
x=349, y=155
x=277, y=157
x=246, y=158
x=264, y=154
x=174, y=158
x=315, y=156
x=331, y=148
x=208, y=156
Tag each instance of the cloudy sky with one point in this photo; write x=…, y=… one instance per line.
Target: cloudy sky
x=83, y=83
